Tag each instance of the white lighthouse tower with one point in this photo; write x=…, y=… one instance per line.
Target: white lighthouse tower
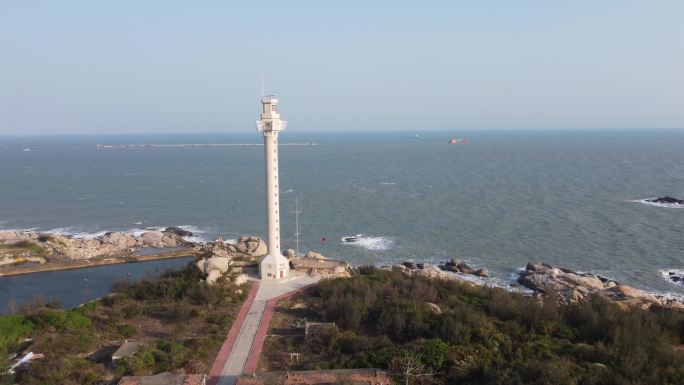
x=274, y=265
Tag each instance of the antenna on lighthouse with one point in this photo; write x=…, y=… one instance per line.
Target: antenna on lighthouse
x=296, y=210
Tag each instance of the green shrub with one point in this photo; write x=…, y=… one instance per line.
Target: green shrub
x=126, y=330
x=434, y=353
x=13, y=327
x=490, y=336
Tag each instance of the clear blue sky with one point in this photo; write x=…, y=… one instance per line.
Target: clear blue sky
x=181, y=66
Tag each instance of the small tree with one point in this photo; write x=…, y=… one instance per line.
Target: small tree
x=408, y=367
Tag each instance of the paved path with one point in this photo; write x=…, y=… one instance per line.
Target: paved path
x=243, y=345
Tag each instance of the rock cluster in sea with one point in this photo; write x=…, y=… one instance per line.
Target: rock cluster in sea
x=674, y=276
x=667, y=199
x=442, y=271
x=457, y=266
x=572, y=287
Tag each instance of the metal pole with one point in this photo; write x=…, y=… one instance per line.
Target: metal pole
x=296, y=211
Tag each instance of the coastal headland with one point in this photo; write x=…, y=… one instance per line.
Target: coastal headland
x=179, y=321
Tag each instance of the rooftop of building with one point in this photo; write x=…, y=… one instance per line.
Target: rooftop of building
x=128, y=348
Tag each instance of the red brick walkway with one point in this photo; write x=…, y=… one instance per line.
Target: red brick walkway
x=227, y=346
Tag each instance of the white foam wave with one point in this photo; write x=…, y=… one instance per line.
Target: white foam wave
x=388, y=183
x=77, y=233
x=288, y=191
x=647, y=201
x=493, y=282
x=231, y=241
x=372, y=243
x=198, y=234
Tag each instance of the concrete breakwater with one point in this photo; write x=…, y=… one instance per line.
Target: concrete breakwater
x=172, y=145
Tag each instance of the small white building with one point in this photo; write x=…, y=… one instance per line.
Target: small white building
x=273, y=265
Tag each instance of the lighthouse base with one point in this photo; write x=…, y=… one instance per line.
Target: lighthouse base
x=274, y=267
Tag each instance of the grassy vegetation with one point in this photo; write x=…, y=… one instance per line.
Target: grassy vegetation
x=478, y=335
x=18, y=248
x=180, y=319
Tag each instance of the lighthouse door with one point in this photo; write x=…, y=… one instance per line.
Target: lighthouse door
x=281, y=274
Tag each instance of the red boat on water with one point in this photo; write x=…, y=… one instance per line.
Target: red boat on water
x=458, y=141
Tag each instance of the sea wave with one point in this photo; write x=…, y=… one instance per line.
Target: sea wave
x=388, y=183
x=76, y=232
x=372, y=243
x=647, y=201
x=509, y=285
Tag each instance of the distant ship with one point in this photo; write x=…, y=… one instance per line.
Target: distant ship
x=458, y=141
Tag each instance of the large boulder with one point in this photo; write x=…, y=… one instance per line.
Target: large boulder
x=213, y=276
x=464, y=268
x=240, y=279
x=289, y=253
x=253, y=246
x=171, y=240
x=178, y=231
x=119, y=239
x=151, y=238
x=201, y=265
x=221, y=264
x=631, y=292
x=588, y=281
x=434, y=308
x=225, y=253
x=314, y=255
x=541, y=282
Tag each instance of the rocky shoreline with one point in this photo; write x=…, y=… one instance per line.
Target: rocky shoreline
x=26, y=251
x=23, y=252
x=546, y=281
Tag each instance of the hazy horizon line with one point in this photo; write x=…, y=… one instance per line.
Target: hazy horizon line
x=361, y=131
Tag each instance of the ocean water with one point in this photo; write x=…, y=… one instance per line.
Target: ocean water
x=570, y=198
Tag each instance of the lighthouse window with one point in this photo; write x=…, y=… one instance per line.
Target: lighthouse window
x=273, y=107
